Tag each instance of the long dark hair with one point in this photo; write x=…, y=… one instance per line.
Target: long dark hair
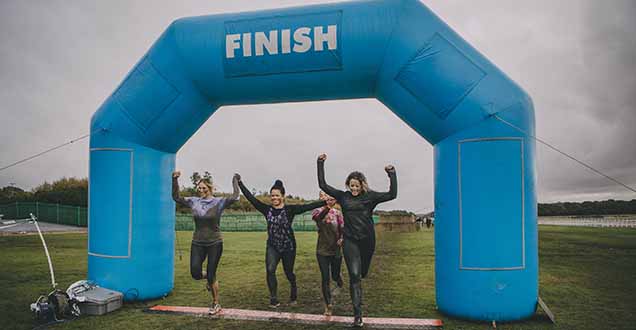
x=278, y=185
x=355, y=175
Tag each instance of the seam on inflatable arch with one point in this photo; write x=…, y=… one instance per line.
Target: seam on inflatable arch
x=185, y=67
x=124, y=109
x=523, y=203
x=386, y=49
x=486, y=116
x=88, y=216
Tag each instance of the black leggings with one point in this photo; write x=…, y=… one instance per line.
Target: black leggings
x=198, y=254
x=272, y=258
x=329, y=265
x=358, y=255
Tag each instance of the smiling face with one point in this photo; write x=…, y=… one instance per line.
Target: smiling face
x=276, y=198
x=355, y=187
x=204, y=190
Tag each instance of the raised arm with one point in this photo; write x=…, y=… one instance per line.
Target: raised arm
x=380, y=197
x=235, y=191
x=260, y=206
x=319, y=214
x=298, y=209
x=175, y=190
x=329, y=190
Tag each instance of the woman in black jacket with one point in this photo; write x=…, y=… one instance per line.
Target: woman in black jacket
x=357, y=205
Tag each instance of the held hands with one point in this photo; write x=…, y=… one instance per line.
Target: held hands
x=176, y=174
x=322, y=157
x=389, y=168
x=339, y=242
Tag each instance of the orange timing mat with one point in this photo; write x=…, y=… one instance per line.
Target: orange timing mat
x=254, y=315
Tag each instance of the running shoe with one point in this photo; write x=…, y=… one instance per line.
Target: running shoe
x=328, y=310
x=215, y=309
x=357, y=322
x=273, y=303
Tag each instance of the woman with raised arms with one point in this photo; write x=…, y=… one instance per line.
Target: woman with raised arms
x=207, y=241
x=357, y=203
x=281, y=242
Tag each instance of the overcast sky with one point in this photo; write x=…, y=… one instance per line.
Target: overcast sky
x=59, y=60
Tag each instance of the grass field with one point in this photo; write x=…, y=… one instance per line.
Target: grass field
x=587, y=277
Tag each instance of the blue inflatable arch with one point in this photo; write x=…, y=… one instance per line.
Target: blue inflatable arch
x=396, y=51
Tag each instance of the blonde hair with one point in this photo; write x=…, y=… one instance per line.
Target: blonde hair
x=207, y=182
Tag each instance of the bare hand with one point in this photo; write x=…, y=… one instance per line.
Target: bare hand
x=322, y=157
x=389, y=168
x=236, y=177
x=176, y=174
x=339, y=242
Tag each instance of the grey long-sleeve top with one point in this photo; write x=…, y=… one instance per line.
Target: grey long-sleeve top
x=207, y=213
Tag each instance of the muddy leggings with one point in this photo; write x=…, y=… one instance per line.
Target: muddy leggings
x=329, y=265
x=198, y=254
x=358, y=254
x=272, y=258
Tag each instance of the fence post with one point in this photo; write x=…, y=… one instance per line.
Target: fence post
x=57, y=217
x=17, y=209
x=78, y=216
x=37, y=210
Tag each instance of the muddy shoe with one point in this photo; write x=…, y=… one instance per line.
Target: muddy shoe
x=357, y=322
x=215, y=309
x=328, y=310
x=273, y=303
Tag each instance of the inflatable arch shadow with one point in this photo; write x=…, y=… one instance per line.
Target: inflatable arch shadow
x=396, y=51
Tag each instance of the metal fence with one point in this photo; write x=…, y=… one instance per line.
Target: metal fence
x=78, y=216
x=610, y=221
x=45, y=212
x=247, y=222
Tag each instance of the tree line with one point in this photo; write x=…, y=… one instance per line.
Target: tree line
x=606, y=207
x=73, y=191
